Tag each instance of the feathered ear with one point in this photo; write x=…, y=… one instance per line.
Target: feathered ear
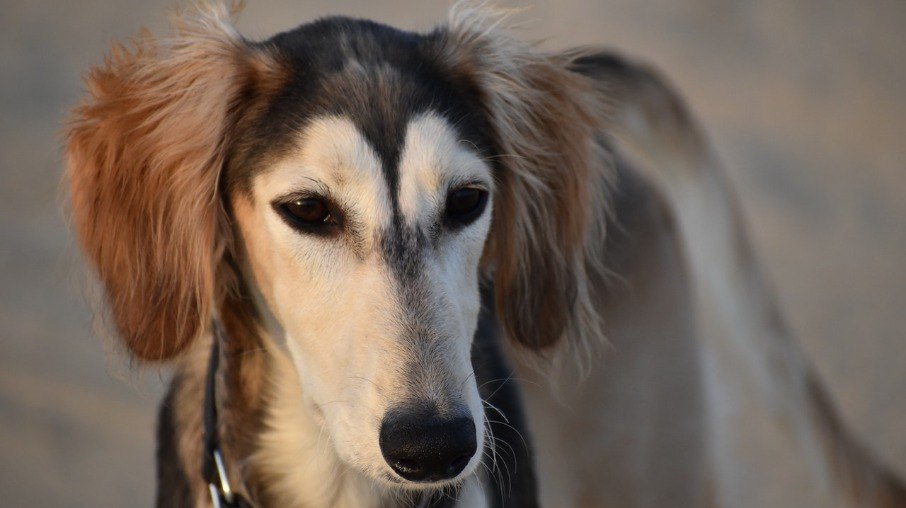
x=145, y=151
x=550, y=196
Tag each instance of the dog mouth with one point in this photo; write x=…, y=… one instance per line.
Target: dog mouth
x=433, y=483
x=424, y=494
x=426, y=487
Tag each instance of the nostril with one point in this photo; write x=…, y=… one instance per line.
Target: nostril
x=422, y=446
x=459, y=464
x=405, y=467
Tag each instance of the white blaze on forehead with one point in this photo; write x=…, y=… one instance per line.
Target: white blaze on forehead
x=433, y=158
x=334, y=159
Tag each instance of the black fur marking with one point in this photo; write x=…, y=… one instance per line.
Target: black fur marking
x=377, y=76
x=402, y=248
x=512, y=479
x=173, y=488
x=380, y=78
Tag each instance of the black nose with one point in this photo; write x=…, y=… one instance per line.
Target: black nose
x=422, y=446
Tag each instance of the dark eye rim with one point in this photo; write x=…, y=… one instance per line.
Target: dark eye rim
x=331, y=226
x=456, y=220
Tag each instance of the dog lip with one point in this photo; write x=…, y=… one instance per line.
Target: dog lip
x=422, y=486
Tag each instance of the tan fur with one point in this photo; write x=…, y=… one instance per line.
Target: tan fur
x=741, y=325
x=144, y=155
x=551, y=181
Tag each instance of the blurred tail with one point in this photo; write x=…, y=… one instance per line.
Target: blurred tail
x=651, y=127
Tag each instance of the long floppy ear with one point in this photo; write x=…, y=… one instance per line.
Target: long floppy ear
x=145, y=151
x=551, y=181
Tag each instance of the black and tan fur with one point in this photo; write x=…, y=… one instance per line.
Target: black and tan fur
x=604, y=193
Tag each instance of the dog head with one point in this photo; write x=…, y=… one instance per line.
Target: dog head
x=365, y=180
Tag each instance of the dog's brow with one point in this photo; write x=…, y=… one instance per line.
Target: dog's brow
x=307, y=187
x=434, y=160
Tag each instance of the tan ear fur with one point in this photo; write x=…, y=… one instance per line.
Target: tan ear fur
x=144, y=153
x=551, y=187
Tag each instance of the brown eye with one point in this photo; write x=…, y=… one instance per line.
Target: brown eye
x=309, y=215
x=311, y=210
x=465, y=204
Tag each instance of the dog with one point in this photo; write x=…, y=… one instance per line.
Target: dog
x=388, y=268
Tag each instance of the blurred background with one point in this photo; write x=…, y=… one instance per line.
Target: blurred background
x=804, y=101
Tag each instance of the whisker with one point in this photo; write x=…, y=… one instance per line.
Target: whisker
x=495, y=408
x=514, y=429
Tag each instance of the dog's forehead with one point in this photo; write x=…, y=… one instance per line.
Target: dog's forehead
x=377, y=77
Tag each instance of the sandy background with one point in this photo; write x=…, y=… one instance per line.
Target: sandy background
x=803, y=100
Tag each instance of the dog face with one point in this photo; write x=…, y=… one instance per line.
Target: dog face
x=375, y=206
x=329, y=234
x=364, y=179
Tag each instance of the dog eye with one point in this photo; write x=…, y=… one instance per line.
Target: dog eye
x=308, y=210
x=465, y=204
x=310, y=214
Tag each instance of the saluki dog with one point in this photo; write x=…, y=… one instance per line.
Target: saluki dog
x=439, y=269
